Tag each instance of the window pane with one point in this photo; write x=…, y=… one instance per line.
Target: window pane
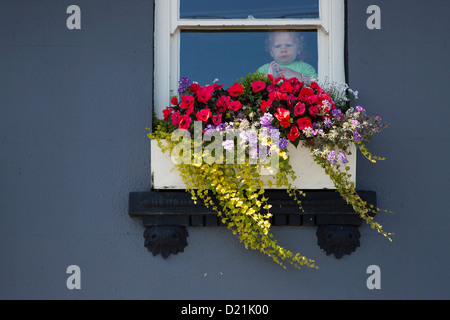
x=239, y=9
x=228, y=56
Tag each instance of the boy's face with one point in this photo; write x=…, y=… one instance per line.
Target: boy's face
x=283, y=49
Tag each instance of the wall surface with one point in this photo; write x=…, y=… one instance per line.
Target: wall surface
x=74, y=105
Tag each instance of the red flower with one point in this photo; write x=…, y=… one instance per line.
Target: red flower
x=304, y=123
x=205, y=93
x=176, y=118
x=283, y=116
x=217, y=86
x=167, y=112
x=265, y=105
x=277, y=95
x=293, y=134
x=203, y=115
x=194, y=87
x=174, y=101
x=299, y=109
x=258, y=86
x=190, y=109
x=235, y=105
x=305, y=93
x=314, y=85
x=313, y=110
x=312, y=98
x=217, y=119
x=235, y=90
x=186, y=101
x=286, y=87
x=184, y=122
x=223, y=103
x=273, y=80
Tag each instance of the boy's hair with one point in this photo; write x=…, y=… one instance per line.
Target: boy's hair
x=296, y=37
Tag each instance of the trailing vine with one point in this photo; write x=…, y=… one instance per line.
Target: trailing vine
x=264, y=114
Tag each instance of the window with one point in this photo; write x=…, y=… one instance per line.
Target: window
x=205, y=39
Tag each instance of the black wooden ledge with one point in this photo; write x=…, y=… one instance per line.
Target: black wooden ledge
x=166, y=214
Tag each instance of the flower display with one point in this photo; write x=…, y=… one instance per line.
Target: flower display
x=263, y=115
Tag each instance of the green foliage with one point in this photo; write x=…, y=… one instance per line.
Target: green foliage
x=342, y=181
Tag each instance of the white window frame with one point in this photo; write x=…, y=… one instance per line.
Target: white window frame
x=168, y=26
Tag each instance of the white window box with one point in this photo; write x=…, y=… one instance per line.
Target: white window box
x=309, y=174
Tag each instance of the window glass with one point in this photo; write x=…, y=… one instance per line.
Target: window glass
x=259, y=9
x=228, y=56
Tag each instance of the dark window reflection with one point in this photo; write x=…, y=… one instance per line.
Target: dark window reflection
x=239, y=9
x=228, y=56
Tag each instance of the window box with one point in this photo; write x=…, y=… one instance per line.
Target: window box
x=309, y=174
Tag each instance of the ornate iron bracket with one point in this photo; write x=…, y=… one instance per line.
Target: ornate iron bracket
x=165, y=240
x=338, y=239
x=166, y=214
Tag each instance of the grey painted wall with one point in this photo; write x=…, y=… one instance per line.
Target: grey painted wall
x=74, y=105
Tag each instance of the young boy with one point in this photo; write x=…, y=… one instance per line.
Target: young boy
x=285, y=47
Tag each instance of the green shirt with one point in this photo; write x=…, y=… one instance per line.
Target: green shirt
x=297, y=66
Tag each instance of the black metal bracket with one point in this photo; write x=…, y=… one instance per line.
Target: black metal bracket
x=167, y=213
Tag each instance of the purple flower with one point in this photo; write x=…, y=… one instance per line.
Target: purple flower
x=253, y=153
x=221, y=127
x=266, y=119
x=359, y=108
x=337, y=113
x=209, y=130
x=377, y=117
x=327, y=122
x=283, y=143
x=331, y=156
x=183, y=84
x=343, y=157
x=356, y=136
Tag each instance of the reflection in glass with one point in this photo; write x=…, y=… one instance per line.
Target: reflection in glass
x=228, y=56
x=258, y=9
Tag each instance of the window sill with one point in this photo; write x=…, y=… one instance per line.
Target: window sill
x=166, y=215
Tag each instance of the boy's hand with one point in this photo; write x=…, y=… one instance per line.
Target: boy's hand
x=289, y=73
x=274, y=69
